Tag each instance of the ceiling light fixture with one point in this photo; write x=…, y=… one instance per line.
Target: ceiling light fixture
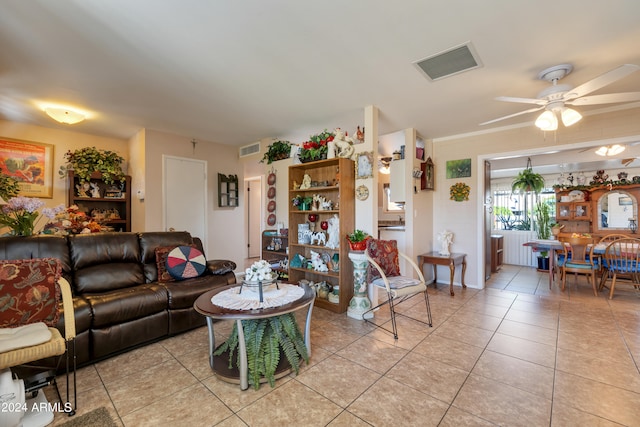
x=548, y=120
x=612, y=150
x=64, y=115
x=384, y=165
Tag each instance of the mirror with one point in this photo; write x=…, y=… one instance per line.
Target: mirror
x=614, y=210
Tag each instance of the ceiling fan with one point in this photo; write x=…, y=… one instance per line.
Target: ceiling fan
x=555, y=98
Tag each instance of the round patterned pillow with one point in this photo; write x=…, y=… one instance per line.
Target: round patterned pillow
x=185, y=262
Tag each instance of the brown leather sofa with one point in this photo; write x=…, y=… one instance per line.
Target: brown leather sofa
x=119, y=303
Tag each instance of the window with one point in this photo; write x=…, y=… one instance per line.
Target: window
x=516, y=211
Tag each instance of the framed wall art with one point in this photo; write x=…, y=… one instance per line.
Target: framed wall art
x=364, y=165
x=459, y=168
x=30, y=163
x=428, y=177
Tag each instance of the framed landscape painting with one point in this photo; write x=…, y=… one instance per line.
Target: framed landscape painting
x=459, y=168
x=30, y=163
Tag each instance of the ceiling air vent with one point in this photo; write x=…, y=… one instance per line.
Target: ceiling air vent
x=450, y=62
x=250, y=149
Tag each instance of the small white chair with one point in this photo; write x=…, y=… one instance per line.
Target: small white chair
x=398, y=288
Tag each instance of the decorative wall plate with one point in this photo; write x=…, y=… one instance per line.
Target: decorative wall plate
x=271, y=193
x=271, y=206
x=362, y=192
x=271, y=179
x=577, y=196
x=271, y=220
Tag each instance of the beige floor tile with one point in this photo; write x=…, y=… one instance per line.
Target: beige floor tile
x=452, y=352
x=235, y=398
x=502, y=404
x=465, y=333
x=193, y=406
x=528, y=332
x=410, y=333
x=489, y=310
x=593, y=343
x=373, y=354
x=332, y=338
x=347, y=419
x=338, y=379
x=198, y=339
x=232, y=421
x=479, y=320
x=605, y=401
x=564, y=416
x=144, y=387
x=431, y=377
x=390, y=403
x=516, y=372
x=197, y=362
x=292, y=404
x=88, y=400
x=544, y=320
x=459, y=418
x=531, y=351
x=132, y=362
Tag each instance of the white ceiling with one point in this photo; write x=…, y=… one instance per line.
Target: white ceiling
x=234, y=72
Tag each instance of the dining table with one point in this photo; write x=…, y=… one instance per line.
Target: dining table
x=551, y=246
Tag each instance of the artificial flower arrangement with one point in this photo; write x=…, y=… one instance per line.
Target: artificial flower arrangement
x=316, y=148
x=299, y=200
x=459, y=192
x=21, y=214
x=258, y=272
x=72, y=221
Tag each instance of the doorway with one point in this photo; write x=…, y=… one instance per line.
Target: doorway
x=179, y=175
x=253, y=196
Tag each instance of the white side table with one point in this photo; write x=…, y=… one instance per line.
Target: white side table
x=359, y=303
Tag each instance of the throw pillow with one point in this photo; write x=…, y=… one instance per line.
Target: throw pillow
x=185, y=262
x=385, y=253
x=29, y=292
x=161, y=263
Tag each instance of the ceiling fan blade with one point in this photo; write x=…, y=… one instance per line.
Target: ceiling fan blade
x=530, y=110
x=601, y=81
x=522, y=100
x=608, y=98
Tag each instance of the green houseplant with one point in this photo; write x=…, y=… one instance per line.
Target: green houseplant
x=528, y=181
x=88, y=160
x=277, y=150
x=358, y=240
x=267, y=339
x=543, y=222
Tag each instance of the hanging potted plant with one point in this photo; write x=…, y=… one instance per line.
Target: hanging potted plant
x=528, y=181
x=86, y=161
x=358, y=240
x=277, y=150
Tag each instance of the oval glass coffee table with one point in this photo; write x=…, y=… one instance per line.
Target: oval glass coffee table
x=220, y=364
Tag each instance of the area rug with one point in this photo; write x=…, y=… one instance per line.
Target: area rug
x=98, y=417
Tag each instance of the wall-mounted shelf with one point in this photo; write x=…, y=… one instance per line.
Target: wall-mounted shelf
x=227, y=191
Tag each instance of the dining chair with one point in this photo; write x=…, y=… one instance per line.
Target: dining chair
x=579, y=259
x=34, y=296
x=384, y=273
x=604, y=242
x=622, y=257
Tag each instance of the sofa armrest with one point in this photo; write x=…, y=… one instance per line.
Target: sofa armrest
x=220, y=266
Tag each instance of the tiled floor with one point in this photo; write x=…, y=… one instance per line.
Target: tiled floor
x=515, y=354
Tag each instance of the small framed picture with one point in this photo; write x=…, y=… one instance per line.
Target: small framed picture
x=364, y=165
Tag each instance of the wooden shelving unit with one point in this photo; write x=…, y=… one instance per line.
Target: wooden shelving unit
x=274, y=249
x=104, y=205
x=336, y=182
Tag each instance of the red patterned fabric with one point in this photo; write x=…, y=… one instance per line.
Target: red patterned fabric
x=385, y=253
x=29, y=292
x=161, y=263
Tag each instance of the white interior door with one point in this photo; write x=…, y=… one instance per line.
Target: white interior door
x=184, y=184
x=254, y=213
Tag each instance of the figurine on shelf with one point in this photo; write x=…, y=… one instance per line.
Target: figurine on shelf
x=334, y=232
x=318, y=264
x=95, y=190
x=306, y=182
x=83, y=190
x=360, y=135
x=343, y=143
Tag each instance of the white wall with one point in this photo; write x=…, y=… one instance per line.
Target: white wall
x=465, y=219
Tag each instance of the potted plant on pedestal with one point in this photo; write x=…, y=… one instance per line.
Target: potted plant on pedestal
x=543, y=222
x=358, y=240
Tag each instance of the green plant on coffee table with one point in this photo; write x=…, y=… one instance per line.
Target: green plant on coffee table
x=277, y=150
x=88, y=160
x=266, y=339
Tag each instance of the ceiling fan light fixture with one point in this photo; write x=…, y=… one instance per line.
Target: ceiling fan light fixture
x=570, y=116
x=64, y=115
x=610, y=151
x=547, y=121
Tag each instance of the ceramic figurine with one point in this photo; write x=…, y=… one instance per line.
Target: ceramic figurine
x=95, y=190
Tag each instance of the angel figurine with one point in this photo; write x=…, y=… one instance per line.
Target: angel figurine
x=446, y=238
